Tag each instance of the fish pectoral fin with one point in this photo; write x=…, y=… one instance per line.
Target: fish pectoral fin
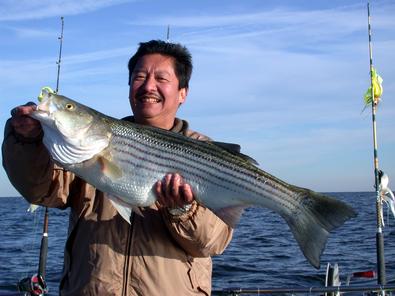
x=108, y=168
x=230, y=215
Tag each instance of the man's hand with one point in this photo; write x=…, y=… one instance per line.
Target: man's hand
x=172, y=192
x=23, y=124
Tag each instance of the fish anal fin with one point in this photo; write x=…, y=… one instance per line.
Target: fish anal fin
x=108, y=168
x=230, y=215
x=123, y=208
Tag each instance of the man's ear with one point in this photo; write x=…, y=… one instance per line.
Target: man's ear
x=182, y=95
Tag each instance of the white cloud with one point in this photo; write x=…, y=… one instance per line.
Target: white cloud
x=335, y=31
x=11, y=10
x=28, y=32
x=99, y=55
x=314, y=23
x=35, y=70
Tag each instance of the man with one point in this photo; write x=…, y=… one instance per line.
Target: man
x=167, y=250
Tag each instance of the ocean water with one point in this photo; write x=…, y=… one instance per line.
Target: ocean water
x=262, y=254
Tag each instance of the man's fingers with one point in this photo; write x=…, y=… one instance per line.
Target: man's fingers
x=26, y=126
x=159, y=193
x=187, y=193
x=175, y=187
x=166, y=190
x=172, y=192
x=26, y=109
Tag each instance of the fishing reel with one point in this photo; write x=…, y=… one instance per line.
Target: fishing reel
x=33, y=286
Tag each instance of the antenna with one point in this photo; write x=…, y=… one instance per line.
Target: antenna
x=168, y=34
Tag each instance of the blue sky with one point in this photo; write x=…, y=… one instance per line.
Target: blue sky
x=284, y=79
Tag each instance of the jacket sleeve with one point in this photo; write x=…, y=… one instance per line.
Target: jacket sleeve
x=199, y=231
x=32, y=172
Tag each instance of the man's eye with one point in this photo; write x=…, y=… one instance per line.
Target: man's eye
x=162, y=79
x=139, y=77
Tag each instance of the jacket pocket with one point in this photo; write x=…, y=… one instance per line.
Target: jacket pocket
x=199, y=274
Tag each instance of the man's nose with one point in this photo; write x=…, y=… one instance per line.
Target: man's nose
x=149, y=83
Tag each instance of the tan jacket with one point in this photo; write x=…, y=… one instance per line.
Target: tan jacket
x=157, y=254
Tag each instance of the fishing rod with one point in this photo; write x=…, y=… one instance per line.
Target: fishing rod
x=36, y=285
x=44, y=240
x=381, y=278
x=60, y=54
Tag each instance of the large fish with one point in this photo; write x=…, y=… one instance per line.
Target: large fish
x=125, y=160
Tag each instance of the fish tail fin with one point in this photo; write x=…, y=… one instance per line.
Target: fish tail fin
x=313, y=219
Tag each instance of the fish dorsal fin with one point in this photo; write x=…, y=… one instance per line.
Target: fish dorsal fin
x=230, y=215
x=231, y=147
x=235, y=150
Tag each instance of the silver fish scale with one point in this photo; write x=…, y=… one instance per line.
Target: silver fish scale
x=146, y=155
x=137, y=156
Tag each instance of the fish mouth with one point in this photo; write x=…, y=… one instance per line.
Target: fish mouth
x=44, y=111
x=38, y=114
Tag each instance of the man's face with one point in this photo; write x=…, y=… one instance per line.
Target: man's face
x=154, y=95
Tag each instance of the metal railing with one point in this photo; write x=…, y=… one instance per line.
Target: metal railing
x=380, y=289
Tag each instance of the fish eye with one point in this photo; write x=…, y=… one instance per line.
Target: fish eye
x=69, y=106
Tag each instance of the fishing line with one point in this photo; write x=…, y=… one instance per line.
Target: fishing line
x=32, y=243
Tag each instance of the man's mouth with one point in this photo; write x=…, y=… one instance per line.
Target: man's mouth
x=150, y=99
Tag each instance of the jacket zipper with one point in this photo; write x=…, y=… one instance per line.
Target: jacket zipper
x=127, y=258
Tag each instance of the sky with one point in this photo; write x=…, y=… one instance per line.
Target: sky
x=284, y=79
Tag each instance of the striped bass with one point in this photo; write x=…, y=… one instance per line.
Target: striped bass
x=125, y=160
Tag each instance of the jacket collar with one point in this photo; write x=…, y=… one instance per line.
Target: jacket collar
x=180, y=126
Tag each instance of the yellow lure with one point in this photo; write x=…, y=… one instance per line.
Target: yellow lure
x=377, y=89
x=45, y=89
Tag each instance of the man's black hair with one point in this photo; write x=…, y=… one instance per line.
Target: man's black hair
x=182, y=58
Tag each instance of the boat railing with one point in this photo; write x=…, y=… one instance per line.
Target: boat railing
x=336, y=290
x=332, y=286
